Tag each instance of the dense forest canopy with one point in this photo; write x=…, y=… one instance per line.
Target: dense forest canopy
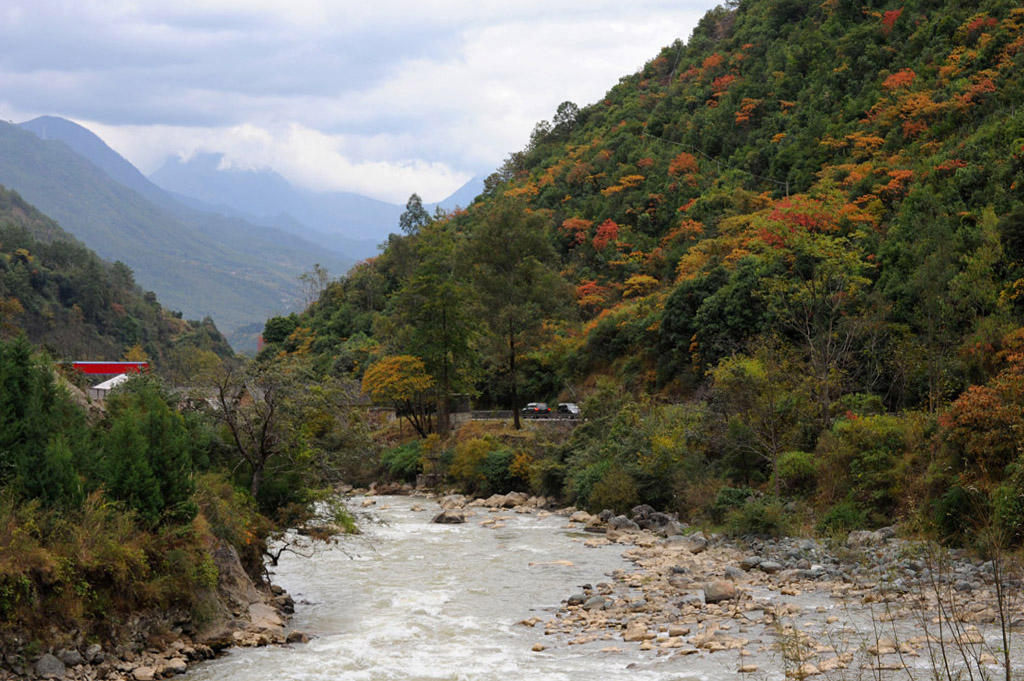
x=797, y=234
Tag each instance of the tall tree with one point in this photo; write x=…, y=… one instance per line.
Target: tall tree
x=415, y=215
x=515, y=282
x=431, y=316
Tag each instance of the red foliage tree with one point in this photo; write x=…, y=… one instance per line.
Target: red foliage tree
x=607, y=232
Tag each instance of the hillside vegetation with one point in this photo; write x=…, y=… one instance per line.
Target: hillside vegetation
x=779, y=265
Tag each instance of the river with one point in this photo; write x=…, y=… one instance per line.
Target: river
x=412, y=600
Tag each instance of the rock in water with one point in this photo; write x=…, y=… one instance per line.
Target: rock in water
x=449, y=517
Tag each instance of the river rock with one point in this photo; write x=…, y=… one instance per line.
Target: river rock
x=719, y=590
x=264, y=617
x=581, y=517
x=769, y=566
x=452, y=501
x=49, y=667
x=732, y=572
x=513, y=499
x=173, y=667
x=71, y=657
x=144, y=673
x=94, y=653
x=450, y=517
x=860, y=538
x=621, y=522
x=577, y=599
x=695, y=543
x=297, y=637
x=750, y=562
x=596, y=603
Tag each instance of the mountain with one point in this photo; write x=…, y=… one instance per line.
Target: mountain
x=340, y=221
x=68, y=300
x=201, y=263
x=461, y=197
x=265, y=196
x=796, y=244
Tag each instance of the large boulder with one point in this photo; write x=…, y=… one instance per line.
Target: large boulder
x=450, y=517
x=695, y=543
x=452, y=501
x=265, y=618
x=49, y=667
x=581, y=517
x=71, y=657
x=719, y=590
x=621, y=522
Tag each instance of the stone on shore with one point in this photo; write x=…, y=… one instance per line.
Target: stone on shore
x=144, y=673
x=264, y=617
x=49, y=667
x=452, y=501
x=719, y=590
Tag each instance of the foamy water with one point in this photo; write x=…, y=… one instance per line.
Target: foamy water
x=415, y=601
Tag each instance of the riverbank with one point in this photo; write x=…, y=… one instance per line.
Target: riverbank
x=159, y=644
x=873, y=604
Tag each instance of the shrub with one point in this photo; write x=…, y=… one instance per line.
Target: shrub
x=615, y=490
x=547, y=477
x=842, y=518
x=467, y=467
x=864, y=461
x=759, y=517
x=953, y=512
x=582, y=482
x=497, y=479
x=797, y=472
x=402, y=462
x=729, y=499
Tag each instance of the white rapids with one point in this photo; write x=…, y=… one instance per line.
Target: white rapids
x=415, y=601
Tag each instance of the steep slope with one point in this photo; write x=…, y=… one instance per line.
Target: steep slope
x=68, y=300
x=203, y=265
x=797, y=249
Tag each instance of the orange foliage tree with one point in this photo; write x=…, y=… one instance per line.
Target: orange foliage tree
x=403, y=382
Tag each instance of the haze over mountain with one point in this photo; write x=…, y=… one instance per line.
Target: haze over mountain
x=200, y=263
x=341, y=221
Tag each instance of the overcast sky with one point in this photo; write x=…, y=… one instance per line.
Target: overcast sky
x=378, y=97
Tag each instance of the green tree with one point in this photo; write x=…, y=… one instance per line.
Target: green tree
x=761, y=406
x=166, y=444
x=415, y=215
x=515, y=283
x=431, y=317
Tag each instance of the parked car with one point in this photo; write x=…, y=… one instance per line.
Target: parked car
x=568, y=410
x=536, y=409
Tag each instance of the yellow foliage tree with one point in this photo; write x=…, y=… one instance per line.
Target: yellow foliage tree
x=402, y=381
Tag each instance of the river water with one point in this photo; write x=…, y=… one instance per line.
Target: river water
x=412, y=600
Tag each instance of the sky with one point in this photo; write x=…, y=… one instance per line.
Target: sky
x=381, y=98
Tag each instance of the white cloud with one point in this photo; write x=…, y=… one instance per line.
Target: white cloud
x=381, y=98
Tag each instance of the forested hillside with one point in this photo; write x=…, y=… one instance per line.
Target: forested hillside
x=780, y=265
x=122, y=522
x=69, y=301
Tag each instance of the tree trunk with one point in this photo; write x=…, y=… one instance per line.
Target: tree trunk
x=512, y=376
x=257, y=479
